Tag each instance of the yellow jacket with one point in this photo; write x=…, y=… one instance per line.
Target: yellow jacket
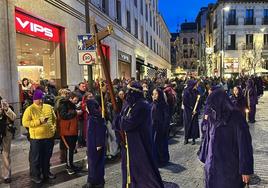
x=31, y=119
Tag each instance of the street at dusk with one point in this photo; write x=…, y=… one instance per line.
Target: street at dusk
x=134, y=94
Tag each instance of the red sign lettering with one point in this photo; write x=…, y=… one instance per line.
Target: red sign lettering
x=35, y=27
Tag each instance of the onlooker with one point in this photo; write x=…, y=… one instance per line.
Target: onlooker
x=41, y=121
x=63, y=94
x=68, y=128
x=7, y=117
x=80, y=92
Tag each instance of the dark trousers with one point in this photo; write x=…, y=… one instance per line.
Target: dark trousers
x=40, y=154
x=69, y=143
x=81, y=140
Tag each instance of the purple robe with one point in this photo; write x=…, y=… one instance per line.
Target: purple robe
x=137, y=124
x=227, y=148
x=95, y=138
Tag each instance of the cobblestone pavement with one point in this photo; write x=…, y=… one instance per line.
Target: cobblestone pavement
x=183, y=171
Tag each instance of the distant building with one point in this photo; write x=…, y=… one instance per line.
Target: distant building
x=188, y=47
x=174, y=50
x=236, y=35
x=201, y=32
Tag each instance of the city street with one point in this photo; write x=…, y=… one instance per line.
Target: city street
x=68, y=67
x=184, y=170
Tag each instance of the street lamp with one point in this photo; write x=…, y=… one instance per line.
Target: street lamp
x=222, y=66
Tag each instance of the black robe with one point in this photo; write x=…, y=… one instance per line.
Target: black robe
x=190, y=122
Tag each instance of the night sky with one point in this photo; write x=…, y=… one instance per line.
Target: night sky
x=176, y=11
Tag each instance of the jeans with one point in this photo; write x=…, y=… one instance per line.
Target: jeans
x=41, y=152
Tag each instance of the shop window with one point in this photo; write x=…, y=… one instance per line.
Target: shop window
x=37, y=59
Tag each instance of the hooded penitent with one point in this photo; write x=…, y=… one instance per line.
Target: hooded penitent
x=160, y=119
x=95, y=139
x=252, y=100
x=190, y=122
x=139, y=168
x=226, y=149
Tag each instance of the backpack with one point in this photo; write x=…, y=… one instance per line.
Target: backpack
x=171, y=96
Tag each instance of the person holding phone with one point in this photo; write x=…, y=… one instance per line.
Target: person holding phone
x=7, y=117
x=41, y=121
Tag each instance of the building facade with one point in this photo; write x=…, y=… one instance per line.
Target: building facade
x=237, y=37
x=39, y=40
x=174, y=51
x=201, y=32
x=187, y=47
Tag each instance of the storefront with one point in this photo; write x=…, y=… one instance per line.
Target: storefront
x=124, y=65
x=40, y=49
x=231, y=66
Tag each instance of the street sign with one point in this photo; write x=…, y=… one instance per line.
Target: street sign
x=87, y=57
x=81, y=39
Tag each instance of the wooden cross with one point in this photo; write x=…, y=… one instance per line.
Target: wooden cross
x=96, y=40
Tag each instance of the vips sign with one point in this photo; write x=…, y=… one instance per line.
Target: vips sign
x=35, y=27
x=87, y=57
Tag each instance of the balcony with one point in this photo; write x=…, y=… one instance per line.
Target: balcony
x=232, y=21
x=250, y=21
x=265, y=21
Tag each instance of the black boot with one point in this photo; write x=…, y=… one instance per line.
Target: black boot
x=186, y=141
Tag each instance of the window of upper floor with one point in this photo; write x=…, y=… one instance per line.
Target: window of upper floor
x=184, y=41
x=192, y=41
x=105, y=6
x=249, y=19
x=128, y=21
x=146, y=12
x=141, y=7
x=265, y=17
x=249, y=41
x=231, y=19
x=136, y=28
x=118, y=12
